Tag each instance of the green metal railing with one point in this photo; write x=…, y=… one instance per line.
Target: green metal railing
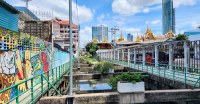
x=38, y=86
x=176, y=73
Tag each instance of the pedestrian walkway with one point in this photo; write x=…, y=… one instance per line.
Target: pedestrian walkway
x=164, y=72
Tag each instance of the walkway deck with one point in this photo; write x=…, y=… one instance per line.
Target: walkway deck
x=161, y=71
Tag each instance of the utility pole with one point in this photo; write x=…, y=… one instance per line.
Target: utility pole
x=78, y=49
x=26, y=1
x=71, y=52
x=114, y=30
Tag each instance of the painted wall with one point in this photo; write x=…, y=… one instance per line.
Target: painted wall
x=24, y=57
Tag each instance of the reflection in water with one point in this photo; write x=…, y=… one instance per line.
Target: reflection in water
x=91, y=85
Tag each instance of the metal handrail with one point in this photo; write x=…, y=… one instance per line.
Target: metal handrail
x=29, y=95
x=162, y=70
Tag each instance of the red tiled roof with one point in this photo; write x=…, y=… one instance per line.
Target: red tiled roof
x=67, y=23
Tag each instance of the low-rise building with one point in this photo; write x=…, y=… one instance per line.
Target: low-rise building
x=60, y=29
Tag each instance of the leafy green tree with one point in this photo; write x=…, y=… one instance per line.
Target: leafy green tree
x=181, y=37
x=91, y=48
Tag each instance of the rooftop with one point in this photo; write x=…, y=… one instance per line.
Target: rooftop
x=27, y=11
x=8, y=6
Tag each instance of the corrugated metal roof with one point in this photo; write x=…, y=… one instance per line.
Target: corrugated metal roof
x=8, y=6
x=27, y=11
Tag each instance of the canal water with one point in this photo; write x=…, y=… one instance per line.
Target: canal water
x=92, y=86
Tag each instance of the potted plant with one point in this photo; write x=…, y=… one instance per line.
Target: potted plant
x=127, y=83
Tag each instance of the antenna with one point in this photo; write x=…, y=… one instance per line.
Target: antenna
x=26, y=1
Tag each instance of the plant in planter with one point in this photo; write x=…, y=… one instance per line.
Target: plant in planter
x=127, y=82
x=104, y=67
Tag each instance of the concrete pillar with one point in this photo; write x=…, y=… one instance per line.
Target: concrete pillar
x=135, y=55
x=114, y=54
x=186, y=55
x=118, y=55
x=128, y=57
x=170, y=56
x=122, y=55
x=111, y=55
x=143, y=55
x=107, y=54
x=156, y=55
x=104, y=55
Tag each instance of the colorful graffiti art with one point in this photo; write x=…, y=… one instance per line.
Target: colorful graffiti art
x=45, y=62
x=22, y=62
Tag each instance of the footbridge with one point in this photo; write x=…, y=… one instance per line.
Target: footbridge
x=177, y=61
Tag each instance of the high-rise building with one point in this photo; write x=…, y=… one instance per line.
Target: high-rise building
x=168, y=16
x=100, y=33
x=129, y=37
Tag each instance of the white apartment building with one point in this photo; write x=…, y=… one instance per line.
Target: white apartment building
x=60, y=30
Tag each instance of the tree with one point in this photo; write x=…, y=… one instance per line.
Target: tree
x=181, y=37
x=91, y=48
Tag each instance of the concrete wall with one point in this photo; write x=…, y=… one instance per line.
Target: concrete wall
x=185, y=96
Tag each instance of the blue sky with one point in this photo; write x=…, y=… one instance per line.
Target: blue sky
x=131, y=16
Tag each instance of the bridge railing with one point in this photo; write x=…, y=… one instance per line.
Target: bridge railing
x=36, y=86
x=177, y=73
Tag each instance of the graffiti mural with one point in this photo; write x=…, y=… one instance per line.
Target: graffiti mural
x=21, y=57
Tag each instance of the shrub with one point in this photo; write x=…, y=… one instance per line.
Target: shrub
x=88, y=59
x=128, y=77
x=103, y=67
x=180, y=37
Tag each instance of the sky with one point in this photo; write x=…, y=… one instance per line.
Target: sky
x=130, y=16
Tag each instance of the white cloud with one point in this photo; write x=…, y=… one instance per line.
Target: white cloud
x=133, y=31
x=178, y=3
x=60, y=9
x=154, y=22
x=146, y=10
x=131, y=7
x=195, y=24
x=101, y=17
x=85, y=36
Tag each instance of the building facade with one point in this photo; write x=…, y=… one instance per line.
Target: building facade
x=100, y=33
x=41, y=29
x=168, y=16
x=129, y=37
x=60, y=29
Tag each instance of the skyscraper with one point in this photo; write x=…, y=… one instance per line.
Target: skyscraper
x=168, y=16
x=130, y=37
x=100, y=32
